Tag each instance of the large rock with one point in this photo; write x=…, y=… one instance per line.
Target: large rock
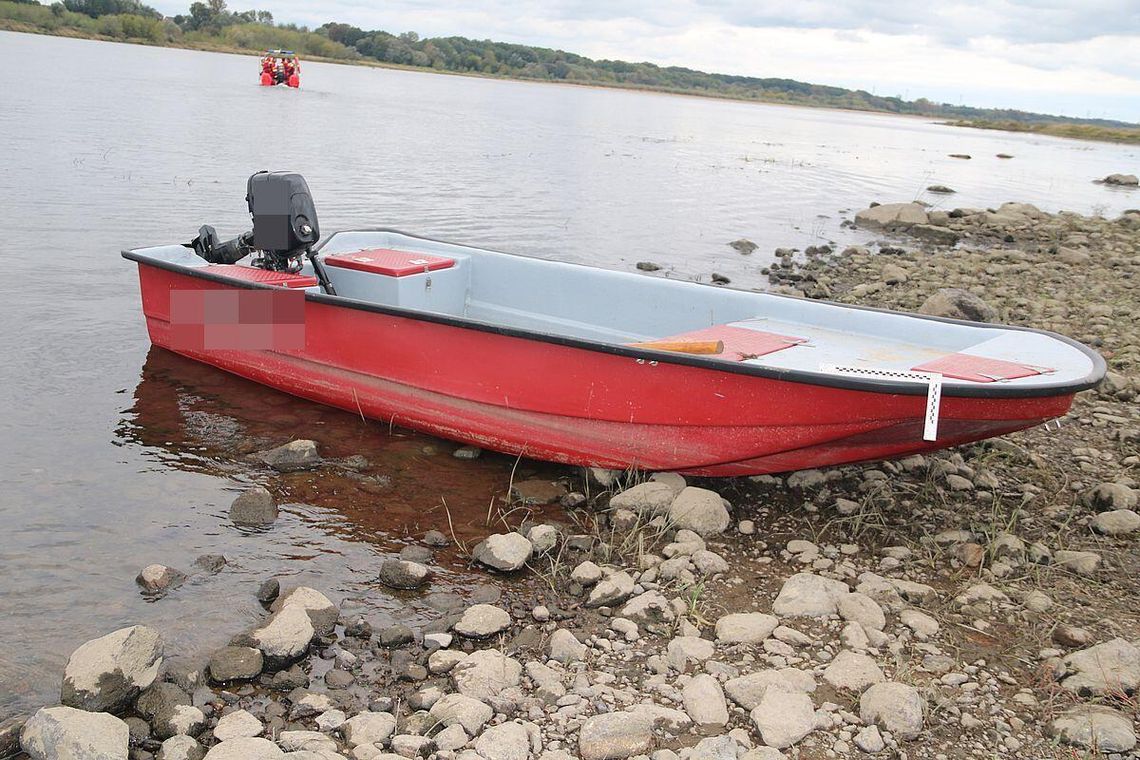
x=457, y=709
x=284, y=638
x=254, y=508
x=614, y=589
x=322, y=613
x=745, y=627
x=482, y=620
x=293, y=456
x=894, y=707
x=615, y=736
x=233, y=664
x=503, y=551
x=704, y=701
x=161, y=697
x=485, y=674
x=699, y=510
x=245, y=748
x=891, y=216
x=954, y=303
x=368, y=728
x=107, y=673
x=852, y=672
x=933, y=234
x=64, y=733
x=1095, y=728
x=1122, y=180
x=783, y=717
x=403, y=574
x=648, y=499
x=1104, y=669
x=808, y=595
x=506, y=741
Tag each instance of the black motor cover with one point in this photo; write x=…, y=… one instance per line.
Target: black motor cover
x=284, y=217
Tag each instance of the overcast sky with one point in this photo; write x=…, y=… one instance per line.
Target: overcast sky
x=1074, y=58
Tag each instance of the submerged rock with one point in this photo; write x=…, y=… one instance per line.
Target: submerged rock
x=292, y=456
x=157, y=579
x=255, y=507
x=403, y=574
x=1121, y=180
x=107, y=673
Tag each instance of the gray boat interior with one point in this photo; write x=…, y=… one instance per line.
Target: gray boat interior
x=619, y=308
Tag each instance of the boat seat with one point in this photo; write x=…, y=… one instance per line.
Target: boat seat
x=979, y=369
x=263, y=276
x=740, y=343
x=389, y=261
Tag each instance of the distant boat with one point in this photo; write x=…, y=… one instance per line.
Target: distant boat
x=280, y=67
x=587, y=366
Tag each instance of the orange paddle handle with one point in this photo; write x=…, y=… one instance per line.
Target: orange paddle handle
x=684, y=346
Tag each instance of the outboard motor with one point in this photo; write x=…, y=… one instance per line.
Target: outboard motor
x=284, y=228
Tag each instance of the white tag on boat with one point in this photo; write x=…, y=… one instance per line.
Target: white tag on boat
x=932, y=381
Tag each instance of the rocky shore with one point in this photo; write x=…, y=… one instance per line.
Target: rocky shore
x=979, y=602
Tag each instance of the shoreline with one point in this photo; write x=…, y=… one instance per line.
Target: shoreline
x=1095, y=136
x=974, y=600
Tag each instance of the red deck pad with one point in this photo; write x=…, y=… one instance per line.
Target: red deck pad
x=740, y=343
x=389, y=261
x=977, y=369
x=264, y=276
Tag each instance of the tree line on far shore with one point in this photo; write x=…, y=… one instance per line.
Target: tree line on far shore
x=212, y=24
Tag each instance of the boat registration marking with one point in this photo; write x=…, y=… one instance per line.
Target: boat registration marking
x=932, y=380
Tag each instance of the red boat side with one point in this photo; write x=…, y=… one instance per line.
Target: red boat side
x=568, y=403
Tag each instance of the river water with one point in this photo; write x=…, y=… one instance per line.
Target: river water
x=113, y=456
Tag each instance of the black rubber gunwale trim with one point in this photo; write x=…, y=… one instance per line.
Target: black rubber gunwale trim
x=988, y=390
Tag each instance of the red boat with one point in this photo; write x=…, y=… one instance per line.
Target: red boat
x=280, y=67
x=587, y=366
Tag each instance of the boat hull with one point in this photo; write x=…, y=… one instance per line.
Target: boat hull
x=564, y=403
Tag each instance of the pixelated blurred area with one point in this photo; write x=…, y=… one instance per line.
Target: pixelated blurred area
x=240, y=320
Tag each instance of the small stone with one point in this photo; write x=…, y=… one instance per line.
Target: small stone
x=181, y=748
x=1118, y=522
x=268, y=591
x=245, y=748
x=699, y=510
x=483, y=620
x=293, y=456
x=459, y=710
x=156, y=579
x=850, y=671
x=808, y=595
x=704, y=701
x=587, y=573
x=467, y=452
x=869, y=740
x=503, y=551
x=958, y=304
x=211, y=564
x=486, y=673
x=234, y=664
x=1071, y=636
x=368, y=728
x=537, y=491
x=543, y=538
x=783, y=717
x=923, y=625
x=614, y=589
x=254, y=508
x=396, y=636
x=1096, y=728
x=237, y=724
x=746, y=527
x=615, y=736
x=1081, y=563
x=743, y=245
x=565, y=647
x=323, y=614
x=745, y=627
x=403, y=574
x=894, y=707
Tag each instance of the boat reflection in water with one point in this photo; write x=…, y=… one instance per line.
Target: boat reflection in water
x=382, y=486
